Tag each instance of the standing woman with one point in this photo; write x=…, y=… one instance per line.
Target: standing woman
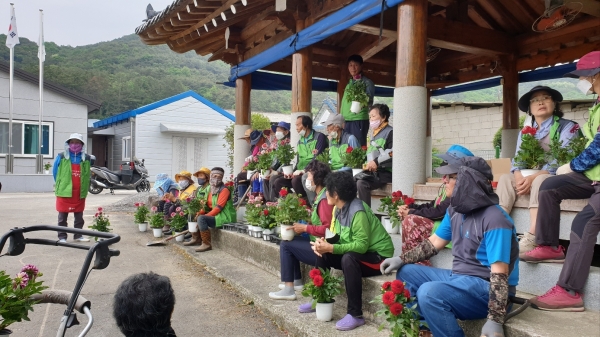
x=357, y=123
x=72, y=170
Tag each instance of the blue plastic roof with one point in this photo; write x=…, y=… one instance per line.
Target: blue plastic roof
x=132, y=113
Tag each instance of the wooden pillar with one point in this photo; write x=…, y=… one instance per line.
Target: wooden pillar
x=342, y=83
x=510, y=110
x=241, y=148
x=301, y=84
x=410, y=97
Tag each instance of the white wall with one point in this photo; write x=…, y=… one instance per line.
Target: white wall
x=68, y=115
x=156, y=147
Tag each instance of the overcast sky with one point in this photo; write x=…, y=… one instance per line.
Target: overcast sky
x=77, y=22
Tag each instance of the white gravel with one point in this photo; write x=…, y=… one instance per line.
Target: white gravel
x=127, y=204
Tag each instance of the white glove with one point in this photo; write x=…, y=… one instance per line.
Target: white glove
x=391, y=264
x=249, y=158
x=298, y=172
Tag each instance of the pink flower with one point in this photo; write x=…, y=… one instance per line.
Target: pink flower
x=178, y=209
x=575, y=128
x=264, y=146
x=180, y=213
x=100, y=209
x=30, y=270
x=173, y=214
x=21, y=280
x=255, y=159
x=154, y=208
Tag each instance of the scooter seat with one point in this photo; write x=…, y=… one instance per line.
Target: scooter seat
x=117, y=173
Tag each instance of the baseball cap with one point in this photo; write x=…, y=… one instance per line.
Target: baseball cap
x=588, y=65
x=455, y=152
x=334, y=119
x=281, y=124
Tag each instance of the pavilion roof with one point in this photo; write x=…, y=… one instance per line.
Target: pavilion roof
x=475, y=36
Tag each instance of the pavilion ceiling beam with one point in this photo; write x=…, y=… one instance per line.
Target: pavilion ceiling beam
x=591, y=7
x=267, y=44
x=482, y=18
x=533, y=42
x=558, y=56
x=321, y=8
x=501, y=15
x=263, y=35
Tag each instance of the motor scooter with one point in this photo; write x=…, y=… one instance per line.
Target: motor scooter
x=131, y=176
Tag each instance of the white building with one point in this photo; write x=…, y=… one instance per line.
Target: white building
x=65, y=112
x=183, y=132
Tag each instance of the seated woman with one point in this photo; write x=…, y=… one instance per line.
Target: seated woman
x=378, y=154
x=163, y=186
x=281, y=133
x=186, y=190
x=361, y=247
x=291, y=253
x=203, y=177
x=255, y=139
x=220, y=207
x=540, y=103
x=420, y=221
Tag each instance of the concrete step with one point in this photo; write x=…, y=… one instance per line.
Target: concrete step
x=251, y=266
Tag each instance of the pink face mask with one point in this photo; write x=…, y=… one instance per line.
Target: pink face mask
x=75, y=148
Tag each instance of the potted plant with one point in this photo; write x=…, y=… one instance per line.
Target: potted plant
x=140, y=216
x=157, y=221
x=178, y=222
x=357, y=95
x=254, y=208
x=193, y=206
x=531, y=156
x=47, y=168
x=355, y=158
x=389, y=205
x=285, y=154
x=324, y=157
x=101, y=223
x=323, y=287
x=399, y=310
x=265, y=160
x=267, y=220
x=251, y=166
x=560, y=155
x=290, y=209
x=15, y=296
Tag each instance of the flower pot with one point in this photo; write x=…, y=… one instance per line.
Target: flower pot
x=192, y=226
x=528, y=172
x=265, y=173
x=249, y=174
x=325, y=311
x=355, y=107
x=143, y=226
x=388, y=224
x=5, y=332
x=180, y=237
x=157, y=232
x=356, y=171
x=46, y=171
x=287, y=235
x=257, y=232
x=266, y=233
x=288, y=169
x=277, y=230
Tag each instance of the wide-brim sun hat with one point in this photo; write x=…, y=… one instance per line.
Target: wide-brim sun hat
x=202, y=170
x=247, y=134
x=77, y=136
x=255, y=137
x=183, y=174
x=524, y=100
x=587, y=66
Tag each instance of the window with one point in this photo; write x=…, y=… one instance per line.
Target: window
x=25, y=138
x=126, y=150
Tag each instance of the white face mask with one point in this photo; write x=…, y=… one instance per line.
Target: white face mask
x=302, y=132
x=184, y=184
x=309, y=186
x=333, y=134
x=279, y=135
x=585, y=87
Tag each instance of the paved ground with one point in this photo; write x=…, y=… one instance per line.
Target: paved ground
x=204, y=305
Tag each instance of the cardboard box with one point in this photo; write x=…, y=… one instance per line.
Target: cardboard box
x=499, y=167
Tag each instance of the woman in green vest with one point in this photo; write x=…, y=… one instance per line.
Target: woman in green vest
x=72, y=171
x=220, y=207
x=362, y=244
x=357, y=123
x=291, y=253
x=579, y=184
x=203, y=177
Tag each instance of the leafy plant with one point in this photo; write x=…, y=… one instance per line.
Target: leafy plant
x=324, y=157
x=254, y=209
x=101, y=223
x=192, y=206
x=435, y=161
x=252, y=163
x=322, y=287
x=15, y=294
x=531, y=155
x=357, y=91
x=497, y=140
x=157, y=219
x=47, y=166
x=141, y=212
x=178, y=220
x=290, y=208
x=355, y=157
x=399, y=310
x=389, y=205
x=562, y=155
x=267, y=218
x=265, y=158
x=284, y=152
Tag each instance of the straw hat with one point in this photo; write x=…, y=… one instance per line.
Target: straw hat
x=203, y=170
x=247, y=134
x=183, y=174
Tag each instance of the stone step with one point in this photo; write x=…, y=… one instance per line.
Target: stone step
x=251, y=266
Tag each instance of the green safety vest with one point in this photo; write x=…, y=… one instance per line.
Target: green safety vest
x=589, y=131
x=379, y=139
x=349, y=116
x=314, y=217
x=202, y=191
x=336, y=151
x=64, y=183
x=227, y=214
x=305, y=148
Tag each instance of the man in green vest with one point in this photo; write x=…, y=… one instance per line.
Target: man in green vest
x=72, y=180
x=339, y=140
x=580, y=184
x=357, y=123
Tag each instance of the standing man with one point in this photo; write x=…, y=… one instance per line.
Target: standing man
x=72, y=180
x=357, y=123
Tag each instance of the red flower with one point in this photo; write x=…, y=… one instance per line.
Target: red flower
x=349, y=149
x=397, y=287
x=188, y=199
x=318, y=281
x=397, y=194
x=137, y=204
x=302, y=202
x=407, y=293
x=386, y=285
x=364, y=148
x=99, y=209
x=409, y=201
x=314, y=272
x=388, y=298
x=528, y=130
x=266, y=212
x=96, y=215
x=575, y=128
x=396, y=309
x=283, y=192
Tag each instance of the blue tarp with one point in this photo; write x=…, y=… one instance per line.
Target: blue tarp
x=342, y=19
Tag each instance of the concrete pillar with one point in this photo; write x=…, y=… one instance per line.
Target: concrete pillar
x=510, y=110
x=410, y=98
x=428, y=143
x=242, y=122
x=509, y=143
x=301, y=85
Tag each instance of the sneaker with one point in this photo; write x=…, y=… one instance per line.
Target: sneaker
x=296, y=287
x=349, y=322
x=544, y=254
x=281, y=296
x=306, y=308
x=558, y=299
x=82, y=239
x=526, y=242
x=62, y=241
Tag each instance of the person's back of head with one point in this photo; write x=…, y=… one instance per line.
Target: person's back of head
x=143, y=305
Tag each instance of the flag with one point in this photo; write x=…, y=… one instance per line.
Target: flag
x=41, y=47
x=12, y=38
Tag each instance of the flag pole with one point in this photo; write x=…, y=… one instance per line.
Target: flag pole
x=9, y=158
x=41, y=56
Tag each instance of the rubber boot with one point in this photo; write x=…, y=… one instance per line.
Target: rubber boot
x=195, y=241
x=166, y=229
x=205, y=241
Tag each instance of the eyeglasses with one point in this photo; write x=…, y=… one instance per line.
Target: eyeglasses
x=540, y=99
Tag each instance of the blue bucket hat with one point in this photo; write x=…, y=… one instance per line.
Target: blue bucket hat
x=455, y=152
x=281, y=124
x=255, y=137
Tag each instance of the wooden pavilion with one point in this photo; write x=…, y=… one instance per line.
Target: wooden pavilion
x=472, y=40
